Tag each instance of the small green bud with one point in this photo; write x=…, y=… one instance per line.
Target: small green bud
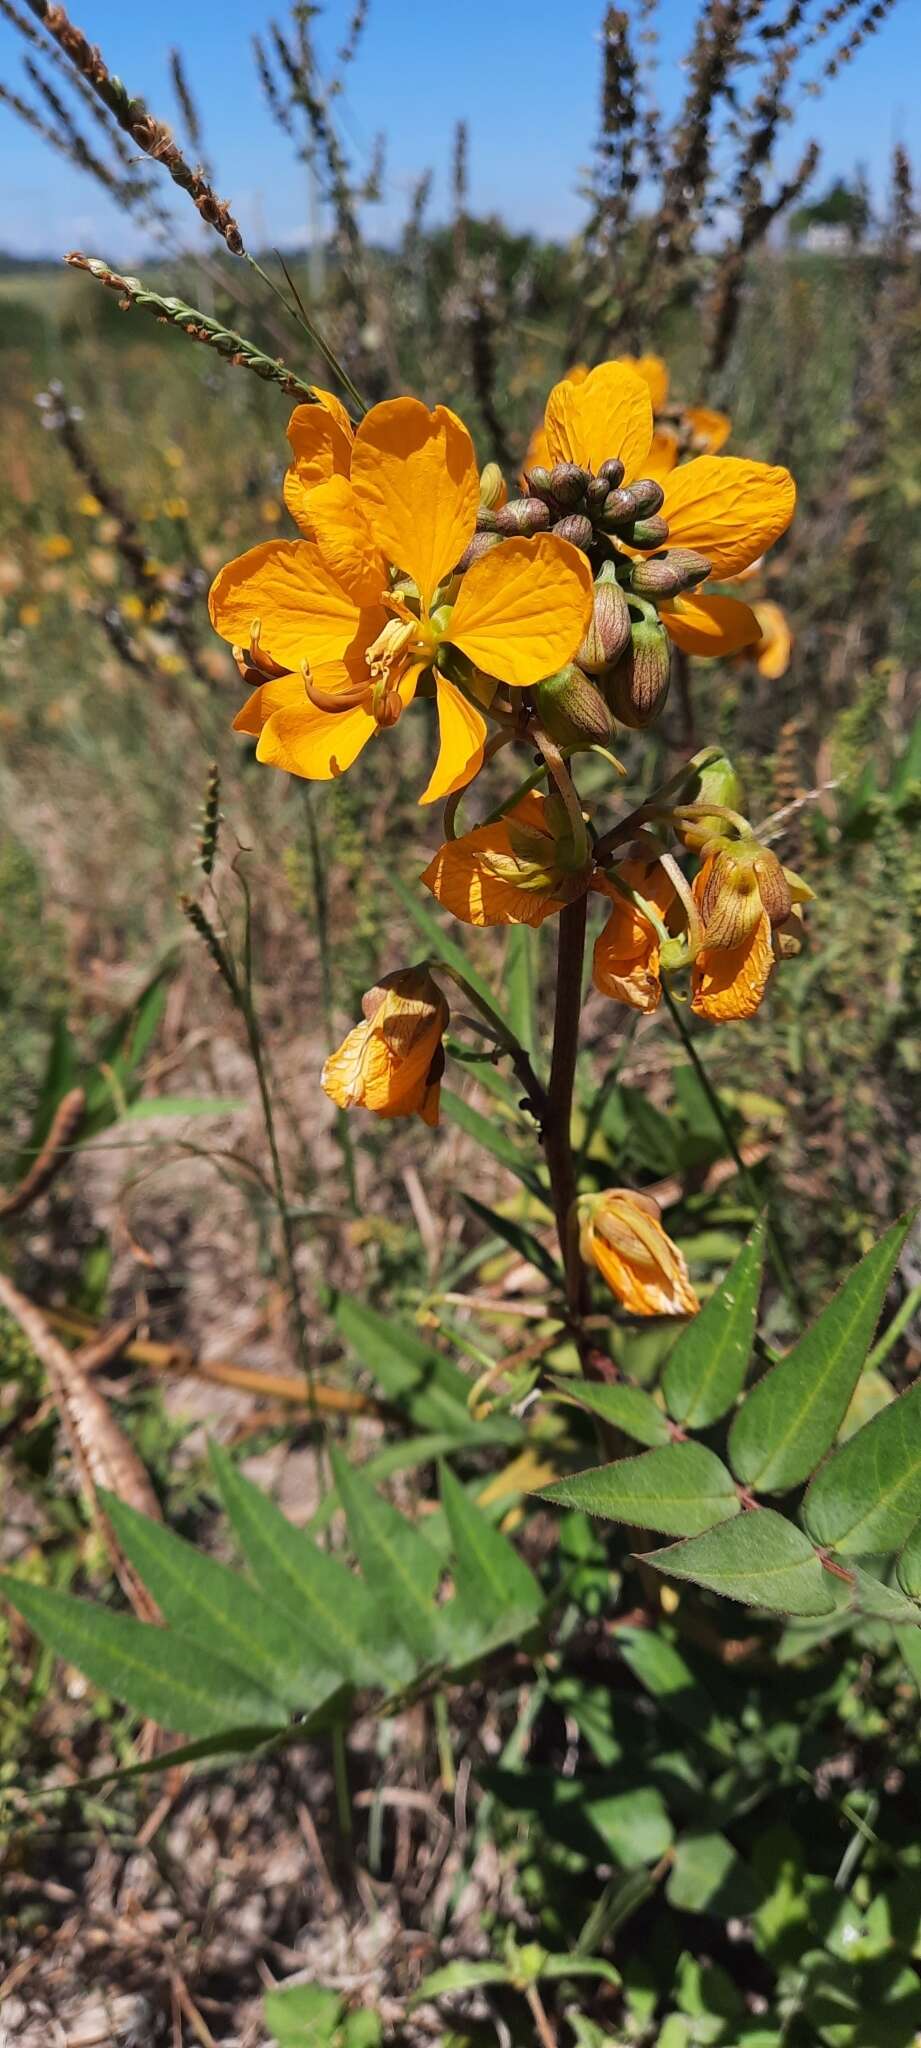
x=650, y=533
x=576, y=529
x=486, y=520
x=572, y=709
x=666, y=574
x=523, y=515
x=538, y=482
x=637, y=688
x=609, y=629
x=492, y=486
x=569, y=483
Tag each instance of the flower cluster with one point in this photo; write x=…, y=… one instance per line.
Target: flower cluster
x=549, y=616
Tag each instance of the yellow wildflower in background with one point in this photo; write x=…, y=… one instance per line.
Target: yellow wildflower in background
x=358, y=615
x=392, y=1063
x=621, y=1234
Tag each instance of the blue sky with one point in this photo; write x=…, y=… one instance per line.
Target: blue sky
x=523, y=73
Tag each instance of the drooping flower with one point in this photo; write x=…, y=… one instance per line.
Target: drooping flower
x=723, y=508
x=519, y=870
x=627, y=950
x=362, y=613
x=743, y=895
x=621, y=1234
x=392, y=1063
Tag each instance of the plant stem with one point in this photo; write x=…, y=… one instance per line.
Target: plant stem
x=321, y=902
x=557, y=1125
x=288, y=1233
x=778, y=1260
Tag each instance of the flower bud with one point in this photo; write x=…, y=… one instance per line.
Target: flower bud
x=538, y=482
x=596, y=493
x=716, y=783
x=571, y=708
x=609, y=629
x=637, y=688
x=576, y=529
x=650, y=533
x=619, y=509
x=613, y=472
x=773, y=886
x=523, y=515
x=569, y=483
x=481, y=544
x=649, y=496
x=493, y=487
x=486, y=520
x=666, y=574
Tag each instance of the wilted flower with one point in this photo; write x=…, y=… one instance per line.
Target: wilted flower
x=743, y=894
x=627, y=951
x=361, y=614
x=621, y=1234
x=519, y=870
x=393, y=1062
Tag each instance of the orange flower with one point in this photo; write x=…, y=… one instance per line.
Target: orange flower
x=626, y=959
x=742, y=894
x=722, y=507
x=621, y=1233
x=354, y=637
x=393, y=1062
x=321, y=438
x=511, y=872
x=776, y=643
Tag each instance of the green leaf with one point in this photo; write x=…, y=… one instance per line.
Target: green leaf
x=878, y=1602
x=707, y=1876
x=789, y=1419
x=415, y=1376
x=487, y=1133
x=494, y=1586
x=865, y=1498
x=459, y=1976
x=633, y=1125
x=628, y=1408
x=761, y=1559
x=206, y=1600
x=519, y=980
x=400, y=1568
x=661, y=1668
x=680, y=1489
x=305, y=2016
x=706, y=1369
x=908, y=1569
x=521, y=1240
x=593, y=1815
x=909, y=1642
x=184, y=1105
x=556, y=1967
x=328, y=1603
x=167, y=1677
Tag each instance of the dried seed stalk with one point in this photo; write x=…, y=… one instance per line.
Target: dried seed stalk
x=174, y=312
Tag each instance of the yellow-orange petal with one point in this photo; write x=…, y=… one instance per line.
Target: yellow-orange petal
x=284, y=693
x=728, y=509
x=609, y=414
x=303, y=613
x=709, y=430
x=321, y=438
x=318, y=745
x=482, y=880
x=624, y=1238
x=662, y=456
x=654, y=374
x=386, y=1064
x=414, y=473
x=345, y=541
x=625, y=963
x=776, y=644
x=728, y=982
x=524, y=609
x=701, y=624
x=461, y=740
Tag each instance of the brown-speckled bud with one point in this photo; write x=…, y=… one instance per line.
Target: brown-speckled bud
x=523, y=515
x=664, y=575
x=613, y=472
x=568, y=482
x=577, y=529
x=637, y=688
x=649, y=496
x=619, y=509
x=609, y=630
x=596, y=493
x=486, y=520
x=538, y=482
x=481, y=544
x=572, y=709
x=773, y=886
x=650, y=533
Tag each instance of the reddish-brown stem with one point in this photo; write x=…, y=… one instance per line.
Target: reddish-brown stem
x=557, y=1132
